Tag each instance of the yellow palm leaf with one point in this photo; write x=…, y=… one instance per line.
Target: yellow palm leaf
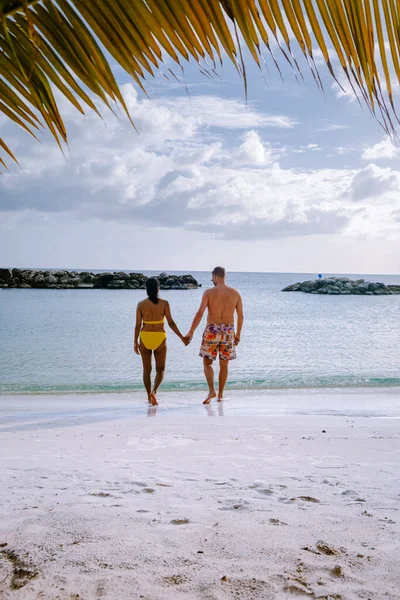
x=47, y=44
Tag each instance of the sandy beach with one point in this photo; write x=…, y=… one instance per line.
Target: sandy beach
x=282, y=497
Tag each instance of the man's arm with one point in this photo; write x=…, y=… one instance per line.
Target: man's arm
x=198, y=316
x=137, y=330
x=240, y=317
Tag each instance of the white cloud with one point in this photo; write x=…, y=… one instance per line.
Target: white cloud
x=180, y=172
x=214, y=111
x=384, y=149
x=374, y=182
x=332, y=127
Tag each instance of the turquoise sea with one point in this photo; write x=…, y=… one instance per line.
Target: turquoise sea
x=64, y=341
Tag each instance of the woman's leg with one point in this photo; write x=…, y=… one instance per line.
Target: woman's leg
x=160, y=355
x=145, y=353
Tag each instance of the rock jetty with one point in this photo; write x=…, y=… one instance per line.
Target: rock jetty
x=343, y=285
x=69, y=280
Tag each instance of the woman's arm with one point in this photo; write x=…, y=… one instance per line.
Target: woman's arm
x=172, y=324
x=137, y=329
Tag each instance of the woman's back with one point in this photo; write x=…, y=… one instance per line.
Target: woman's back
x=152, y=312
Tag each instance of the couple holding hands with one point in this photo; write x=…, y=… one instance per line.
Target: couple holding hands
x=219, y=337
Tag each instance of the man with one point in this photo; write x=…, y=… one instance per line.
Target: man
x=219, y=336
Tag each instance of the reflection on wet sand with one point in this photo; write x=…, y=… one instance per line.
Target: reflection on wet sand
x=211, y=412
x=152, y=410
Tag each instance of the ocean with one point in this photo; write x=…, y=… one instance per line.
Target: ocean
x=81, y=341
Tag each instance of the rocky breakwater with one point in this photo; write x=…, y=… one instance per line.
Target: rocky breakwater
x=343, y=285
x=68, y=280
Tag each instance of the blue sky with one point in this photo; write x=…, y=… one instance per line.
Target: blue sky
x=294, y=180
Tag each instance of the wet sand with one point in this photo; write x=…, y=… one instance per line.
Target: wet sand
x=289, y=494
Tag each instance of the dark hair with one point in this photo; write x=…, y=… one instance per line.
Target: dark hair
x=152, y=287
x=219, y=272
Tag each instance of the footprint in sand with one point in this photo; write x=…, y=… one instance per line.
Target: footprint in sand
x=100, y=494
x=262, y=489
x=180, y=521
x=309, y=499
x=239, y=505
x=148, y=490
x=175, y=580
x=276, y=522
x=22, y=569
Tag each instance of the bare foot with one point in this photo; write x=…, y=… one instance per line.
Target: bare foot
x=153, y=399
x=220, y=398
x=210, y=396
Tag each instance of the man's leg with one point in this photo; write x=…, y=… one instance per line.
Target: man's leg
x=209, y=373
x=146, y=360
x=160, y=355
x=223, y=376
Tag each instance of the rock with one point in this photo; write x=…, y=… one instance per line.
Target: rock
x=38, y=281
x=61, y=279
x=86, y=277
x=103, y=279
x=290, y=288
x=116, y=284
x=362, y=287
x=342, y=285
x=395, y=289
x=5, y=274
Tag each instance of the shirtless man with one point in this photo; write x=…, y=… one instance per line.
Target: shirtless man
x=219, y=337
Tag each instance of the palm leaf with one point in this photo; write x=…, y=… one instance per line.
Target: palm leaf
x=60, y=44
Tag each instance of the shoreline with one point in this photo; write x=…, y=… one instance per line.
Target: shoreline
x=31, y=412
x=374, y=383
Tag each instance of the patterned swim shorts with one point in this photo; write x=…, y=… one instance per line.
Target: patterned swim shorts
x=218, y=339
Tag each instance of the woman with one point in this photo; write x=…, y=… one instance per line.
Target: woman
x=151, y=337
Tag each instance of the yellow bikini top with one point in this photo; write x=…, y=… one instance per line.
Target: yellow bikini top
x=154, y=322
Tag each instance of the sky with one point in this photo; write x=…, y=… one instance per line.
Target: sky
x=289, y=180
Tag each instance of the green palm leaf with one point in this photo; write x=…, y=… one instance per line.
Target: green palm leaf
x=48, y=44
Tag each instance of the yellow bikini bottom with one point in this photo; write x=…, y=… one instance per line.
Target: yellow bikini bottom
x=152, y=339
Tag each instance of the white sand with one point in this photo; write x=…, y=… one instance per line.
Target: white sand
x=184, y=506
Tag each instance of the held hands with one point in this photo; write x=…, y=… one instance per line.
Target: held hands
x=185, y=340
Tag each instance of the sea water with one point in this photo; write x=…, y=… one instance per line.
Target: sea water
x=65, y=341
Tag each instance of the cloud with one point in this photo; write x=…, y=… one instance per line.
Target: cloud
x=373, y=182
x=384, y=149
x=332, y=127
x=204, y=165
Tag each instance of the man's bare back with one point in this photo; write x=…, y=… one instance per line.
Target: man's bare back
x=221, y=303
x=219, y=337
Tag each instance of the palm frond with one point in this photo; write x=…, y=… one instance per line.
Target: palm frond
x=59, y=44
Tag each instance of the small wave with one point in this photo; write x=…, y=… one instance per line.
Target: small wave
x=192, y=386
